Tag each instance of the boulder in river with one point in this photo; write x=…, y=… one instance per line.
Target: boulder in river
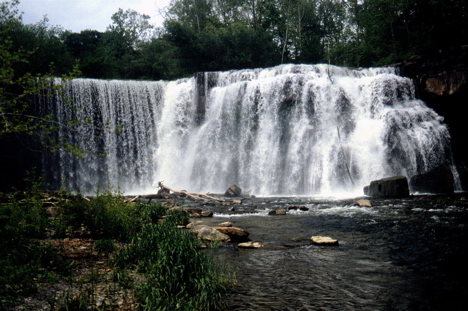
x=233, y=191
x=437, y=180
x=323, y=240
x=236, y=234
x=278, y=212
x=208, y=233
x=393, y=187
x=363, y=203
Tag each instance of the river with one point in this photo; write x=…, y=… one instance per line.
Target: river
x=406, y=254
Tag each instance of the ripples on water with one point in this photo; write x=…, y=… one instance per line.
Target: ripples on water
x=398, y=255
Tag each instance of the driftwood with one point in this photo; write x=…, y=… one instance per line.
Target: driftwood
x=194, y=196
x=132, y=200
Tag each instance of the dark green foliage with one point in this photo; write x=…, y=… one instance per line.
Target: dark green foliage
x=23, y=222
x=231, y=34
x=179, y=274
x=105, y=246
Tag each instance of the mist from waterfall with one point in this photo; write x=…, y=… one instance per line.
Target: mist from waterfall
x=286, y=130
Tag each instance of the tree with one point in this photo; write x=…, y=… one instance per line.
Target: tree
x=133, y=27
x=85, y=47
x=17, y=114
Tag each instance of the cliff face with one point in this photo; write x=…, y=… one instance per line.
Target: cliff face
x=441, y=80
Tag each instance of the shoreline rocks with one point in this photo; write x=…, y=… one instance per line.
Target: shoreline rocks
x=392, y=187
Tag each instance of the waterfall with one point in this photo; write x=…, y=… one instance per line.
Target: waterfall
x=286, y=130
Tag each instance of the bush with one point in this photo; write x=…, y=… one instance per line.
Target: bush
x=180, y=275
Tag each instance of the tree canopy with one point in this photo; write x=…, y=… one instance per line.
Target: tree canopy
x=204, y=35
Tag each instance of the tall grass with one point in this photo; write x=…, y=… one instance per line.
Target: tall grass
x=179, y=274
x=23, y=223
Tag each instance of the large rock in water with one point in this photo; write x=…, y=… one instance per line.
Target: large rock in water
x=438, y=180
x=236, y=234
x=393, y=187
x=233, y=191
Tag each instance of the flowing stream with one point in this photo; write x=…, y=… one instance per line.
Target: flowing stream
x=407, y=254
x=286, y=130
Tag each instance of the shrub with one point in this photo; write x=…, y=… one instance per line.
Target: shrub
x=180, y=275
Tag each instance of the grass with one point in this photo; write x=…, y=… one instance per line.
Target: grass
x=156, y=265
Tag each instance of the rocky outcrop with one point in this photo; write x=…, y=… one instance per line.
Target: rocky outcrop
x=233, y=191
x=437, y=180
x=441, y=80
x=393, y=187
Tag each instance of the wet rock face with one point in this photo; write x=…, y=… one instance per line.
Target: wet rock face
x=438, y=180
x=441, y=80
x=393, y=187
x=233, y=191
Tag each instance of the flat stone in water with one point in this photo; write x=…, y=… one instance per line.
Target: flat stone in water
x=323, y=240
x=250, y=245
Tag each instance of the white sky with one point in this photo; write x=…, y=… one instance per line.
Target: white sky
x=78, y=15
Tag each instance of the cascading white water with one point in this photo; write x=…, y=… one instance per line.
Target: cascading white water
x=289, y=130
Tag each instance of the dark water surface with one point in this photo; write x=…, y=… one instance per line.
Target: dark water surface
x=408, y=254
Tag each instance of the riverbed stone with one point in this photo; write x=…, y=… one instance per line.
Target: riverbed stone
x=363, y=203
x=298, y=207
x=323, y=240
x=233, y=191
x=393, y=187
x=438, y=180
x=194, y=212
x=225, y=224
x=236, y=234
x=195, y=223
x=206, y=214
x=278, y=212
x=250, y=244
x=208, y=233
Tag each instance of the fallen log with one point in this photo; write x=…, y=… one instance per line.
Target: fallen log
x=132, y=200
x=194, y=196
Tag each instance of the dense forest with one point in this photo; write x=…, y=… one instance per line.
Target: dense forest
x=206, y=35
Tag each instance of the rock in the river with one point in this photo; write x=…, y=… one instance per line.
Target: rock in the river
x=250, y=245
x=437, y=180
x=364, y=203
x=236, y=234
x=225, y=224
x=210, y=234
x=323, y=240
x=194, y=212
x=207, y=214
x=393, y=187
x=193, y=224
x=277, y=212
x=233, y=191
x=298, y=207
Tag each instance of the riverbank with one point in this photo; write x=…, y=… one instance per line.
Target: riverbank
x=400, y=254
x=69, y=252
